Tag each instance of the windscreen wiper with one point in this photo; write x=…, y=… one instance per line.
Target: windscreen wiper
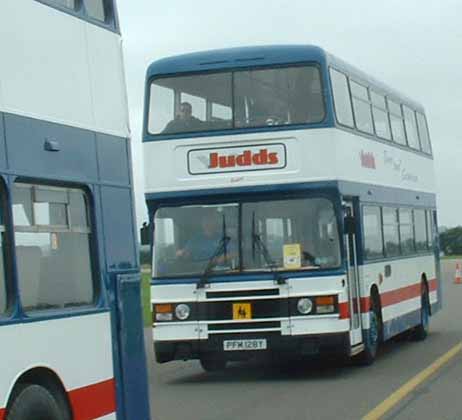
x=221, y=249
x=257, y=241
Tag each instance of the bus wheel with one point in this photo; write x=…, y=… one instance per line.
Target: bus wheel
x=37, y=403
x=212, y=363
x=421, y=331
x=371, y=339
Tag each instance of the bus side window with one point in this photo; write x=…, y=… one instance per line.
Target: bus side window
x=406, y=231
x=342, y=101
x=420, y=230
x=3, y=299
x=430, y=229
x=52, y=233
x=373, y=237
x=390, y=231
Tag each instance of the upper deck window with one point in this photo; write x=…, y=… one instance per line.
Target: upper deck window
x=342, y=100
x=95, y=9
x=362, y=108
x=97, y=12
x=423, y=133
x=69, y=4
x=381, y=121
x=397, y=123
x=243, y=99
x=411, y=128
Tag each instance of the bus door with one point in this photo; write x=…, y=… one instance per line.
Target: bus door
x=352, y=274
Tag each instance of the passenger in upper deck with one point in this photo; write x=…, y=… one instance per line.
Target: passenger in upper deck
x=184, y=121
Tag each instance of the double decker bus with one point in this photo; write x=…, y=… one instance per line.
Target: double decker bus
x=70, y=320
x=292, y=204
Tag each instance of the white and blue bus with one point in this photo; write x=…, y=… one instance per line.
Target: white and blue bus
x=70, y=321
x=292, y=200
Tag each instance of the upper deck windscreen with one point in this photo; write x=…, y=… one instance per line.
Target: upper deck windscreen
x=236, y=100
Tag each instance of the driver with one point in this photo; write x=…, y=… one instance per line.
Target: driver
x=184, y=121
x=202, y=246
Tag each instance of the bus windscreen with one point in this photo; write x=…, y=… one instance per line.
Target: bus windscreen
x=235, y=100
x=282, y=235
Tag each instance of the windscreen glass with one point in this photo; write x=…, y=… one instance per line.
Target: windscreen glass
x=240, y=99
x=295, y=234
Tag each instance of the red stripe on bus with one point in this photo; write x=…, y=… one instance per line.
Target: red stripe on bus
x=391, y=297
x=2, y=413
x=93, y=401
x=433, y=285
x=405, y=293
x=344, y=310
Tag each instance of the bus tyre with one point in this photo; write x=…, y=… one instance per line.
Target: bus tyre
x=421, y=331
x=212, y=363
x=35, y=402
x=371, y=339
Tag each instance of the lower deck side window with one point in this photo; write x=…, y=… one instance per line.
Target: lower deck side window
x=52, y=234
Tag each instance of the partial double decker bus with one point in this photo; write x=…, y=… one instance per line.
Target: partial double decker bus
x=70, y=321
x=292, y=204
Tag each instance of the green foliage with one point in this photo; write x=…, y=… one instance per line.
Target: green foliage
x=451, y=241
x=146, y=298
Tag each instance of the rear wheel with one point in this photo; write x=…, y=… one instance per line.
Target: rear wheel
x=372, y=336
x=34, y=402
x=421, y=331
x=213, y=363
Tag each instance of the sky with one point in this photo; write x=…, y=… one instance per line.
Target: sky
x=413, y=46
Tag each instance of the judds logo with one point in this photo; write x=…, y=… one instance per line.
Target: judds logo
x=237, y=159
x=246, y=158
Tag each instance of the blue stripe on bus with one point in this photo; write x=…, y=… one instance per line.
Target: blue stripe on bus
x=250, y=277
x=368, y=193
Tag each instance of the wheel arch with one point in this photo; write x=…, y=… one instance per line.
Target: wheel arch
x=48, y=379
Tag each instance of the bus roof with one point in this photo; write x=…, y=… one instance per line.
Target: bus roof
x=256, y=56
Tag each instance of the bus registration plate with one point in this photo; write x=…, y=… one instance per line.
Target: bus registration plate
x=239, y=345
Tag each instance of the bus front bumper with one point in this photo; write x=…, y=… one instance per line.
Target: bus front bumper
x=283, y=347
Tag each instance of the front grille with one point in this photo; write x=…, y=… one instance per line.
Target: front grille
x=244, y=326
x=262, y=308
x=240, y=293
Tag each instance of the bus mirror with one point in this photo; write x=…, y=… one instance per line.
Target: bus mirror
x=349, y=225
x=144, y=234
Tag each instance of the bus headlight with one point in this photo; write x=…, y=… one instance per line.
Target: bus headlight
x=182, y=311
x=304, y=306
x=163, y=312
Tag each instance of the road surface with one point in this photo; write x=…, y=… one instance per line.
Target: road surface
x=323, y=389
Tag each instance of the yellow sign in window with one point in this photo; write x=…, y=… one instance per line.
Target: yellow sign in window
x=292, y=256
x=242, y=311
